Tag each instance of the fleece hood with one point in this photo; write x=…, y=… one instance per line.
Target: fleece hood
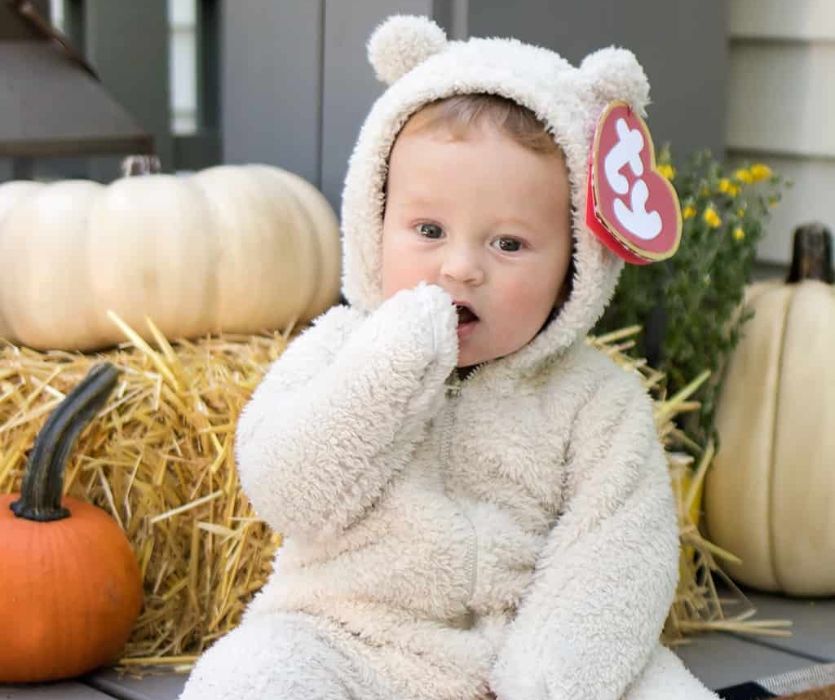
x=414, y=58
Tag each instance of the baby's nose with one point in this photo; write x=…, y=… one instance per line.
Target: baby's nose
x=463, y=267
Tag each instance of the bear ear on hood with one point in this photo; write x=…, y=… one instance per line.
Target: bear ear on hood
x=402, y=42
x=615, y=74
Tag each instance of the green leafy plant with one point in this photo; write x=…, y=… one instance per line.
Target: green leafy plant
x=687, y=304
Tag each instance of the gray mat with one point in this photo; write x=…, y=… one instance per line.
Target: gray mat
x=781, y=685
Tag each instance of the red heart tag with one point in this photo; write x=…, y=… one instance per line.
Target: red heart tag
x=631, y=207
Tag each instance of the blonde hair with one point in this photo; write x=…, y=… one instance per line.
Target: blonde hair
x=460, y=113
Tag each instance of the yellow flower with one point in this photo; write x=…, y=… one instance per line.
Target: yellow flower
x=711, y=218
x=688, y=212
x=728, y=187
x=760, y=171
x=667, y=171
x=740, y=212
x=744, y=175
x=739, y=234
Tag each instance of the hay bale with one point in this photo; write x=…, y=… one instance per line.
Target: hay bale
x=159, y=459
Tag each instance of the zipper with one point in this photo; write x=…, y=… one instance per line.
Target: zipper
x=453, y=391
x=476, y=369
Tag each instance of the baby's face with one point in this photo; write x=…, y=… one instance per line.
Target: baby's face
x=486, y=219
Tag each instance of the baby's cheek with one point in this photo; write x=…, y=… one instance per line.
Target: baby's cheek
x=393, y=274
x=400, y=278
x=402, y=271
x=524, y=299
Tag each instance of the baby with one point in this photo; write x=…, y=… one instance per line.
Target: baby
x=475, y=503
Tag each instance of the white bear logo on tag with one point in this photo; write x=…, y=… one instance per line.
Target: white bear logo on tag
x=632, y=208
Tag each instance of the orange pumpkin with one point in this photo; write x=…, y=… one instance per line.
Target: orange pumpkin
x=71, y=586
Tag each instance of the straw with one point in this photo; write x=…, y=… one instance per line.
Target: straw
x=158, y=459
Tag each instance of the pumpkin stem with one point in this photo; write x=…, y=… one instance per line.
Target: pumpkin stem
x=812, y=257
x=43, y=482
x=141, y=165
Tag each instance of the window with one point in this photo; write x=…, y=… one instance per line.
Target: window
x=182, y=25
x=57, y=15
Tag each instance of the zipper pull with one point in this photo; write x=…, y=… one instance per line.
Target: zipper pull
x=453, y=385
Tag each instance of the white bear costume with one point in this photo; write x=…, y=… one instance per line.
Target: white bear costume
x=514, y=531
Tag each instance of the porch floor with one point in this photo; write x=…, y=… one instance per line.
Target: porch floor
x=718, y=659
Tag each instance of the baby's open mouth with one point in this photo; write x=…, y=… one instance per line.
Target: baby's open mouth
x=465, y=315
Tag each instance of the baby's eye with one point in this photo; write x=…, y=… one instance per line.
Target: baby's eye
x=430, y=230
x=509, y=245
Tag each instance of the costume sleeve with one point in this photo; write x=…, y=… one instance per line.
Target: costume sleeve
x=606, y=578
x=338, y=414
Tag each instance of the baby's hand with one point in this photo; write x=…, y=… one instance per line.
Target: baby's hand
x=415, y=326
x=428, y=307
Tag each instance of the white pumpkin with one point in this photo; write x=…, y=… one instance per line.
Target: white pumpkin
x=770, y=493
x=236, y=249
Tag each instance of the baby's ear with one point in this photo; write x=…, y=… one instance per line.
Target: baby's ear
x=615, y=74
x=400, y=43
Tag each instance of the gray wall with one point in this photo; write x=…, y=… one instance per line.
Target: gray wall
x=681, y=45
x=271, y=83
x=296, y=84
x=127, y=43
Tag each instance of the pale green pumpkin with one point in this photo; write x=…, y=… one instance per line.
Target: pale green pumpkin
x=770, y=494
